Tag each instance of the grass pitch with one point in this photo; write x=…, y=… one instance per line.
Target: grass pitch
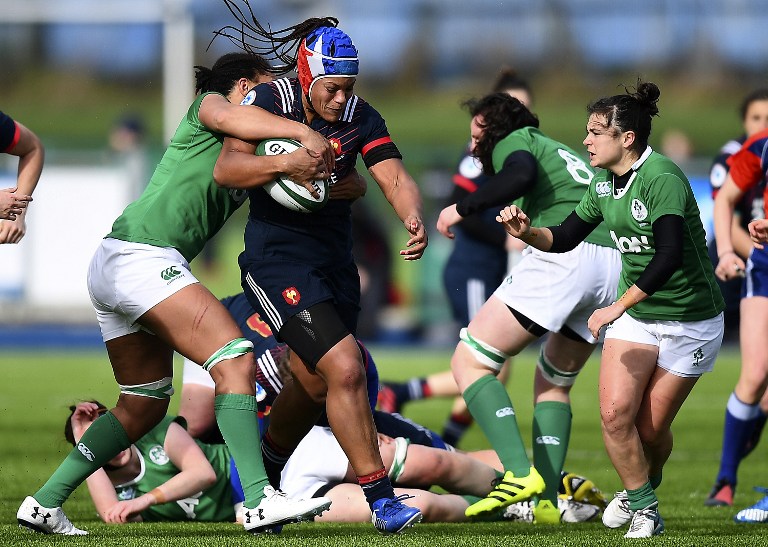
x=37, y=388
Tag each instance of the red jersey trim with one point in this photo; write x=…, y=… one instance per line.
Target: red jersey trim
x=16, y=137
x=373, y=144
x=464, y=182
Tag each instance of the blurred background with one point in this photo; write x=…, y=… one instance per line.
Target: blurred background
x=104, y=83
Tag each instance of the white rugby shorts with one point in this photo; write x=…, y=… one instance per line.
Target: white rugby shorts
x=686, y=348
x=317, y=461
x=195, y=374
x=556, y=289
x=127, y=279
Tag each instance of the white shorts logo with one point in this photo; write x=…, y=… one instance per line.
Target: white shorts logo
x=85, y=451
x=548, y=439
x=506, y=411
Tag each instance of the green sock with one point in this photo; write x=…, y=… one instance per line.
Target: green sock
x=490, y=405
x=551, y=434
x=239, y=425
x=642, y=497
x=655, y=480
x=102, y=442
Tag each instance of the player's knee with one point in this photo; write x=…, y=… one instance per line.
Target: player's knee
x=615, y=419
x=649, y=435
x=554, y=374
x=482, y=352
x=346, y=374
x=139, y=414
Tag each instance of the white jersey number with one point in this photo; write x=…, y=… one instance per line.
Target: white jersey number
x=188, y=505
x=576, y=167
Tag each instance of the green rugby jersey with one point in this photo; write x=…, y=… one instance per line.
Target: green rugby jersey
x=563, y=177
x=657, y=187
x=212, y=505
x=182, y=207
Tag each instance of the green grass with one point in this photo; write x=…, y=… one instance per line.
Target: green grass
x=37, y=387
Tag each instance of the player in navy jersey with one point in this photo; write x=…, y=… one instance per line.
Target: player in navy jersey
x=17, y=140
x=744, y=417
x=476, y=266
x=298, y=270
x=754, y=118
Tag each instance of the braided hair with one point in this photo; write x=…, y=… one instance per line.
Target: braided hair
x=279, y=45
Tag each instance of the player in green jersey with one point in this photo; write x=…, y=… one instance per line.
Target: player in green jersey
x=149, y=303
x=165, y=475
x=665, y=329
x=542, y=295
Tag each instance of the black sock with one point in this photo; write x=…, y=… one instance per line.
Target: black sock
x=275, y=459
x=376, y=486
x=455, y=427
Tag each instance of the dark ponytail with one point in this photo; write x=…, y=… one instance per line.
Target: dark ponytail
x=630, y=111
x=502, y=115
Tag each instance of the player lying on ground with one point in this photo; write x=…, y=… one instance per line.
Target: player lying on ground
x=167, y=475
x=430, y=461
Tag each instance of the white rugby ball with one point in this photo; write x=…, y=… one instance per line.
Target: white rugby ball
x=285, y=191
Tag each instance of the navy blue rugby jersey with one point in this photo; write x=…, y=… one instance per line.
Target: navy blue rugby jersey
x=361, y=130
x=9, y=132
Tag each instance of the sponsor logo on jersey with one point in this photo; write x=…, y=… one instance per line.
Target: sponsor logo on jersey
x=257, y=324
x=639, y=211
x=630, y=244
x=548, y=439
x=603, y=189
x=292, y=296
x=170, y=273
x=158, y=455
x=85, y=451
x=506, y=411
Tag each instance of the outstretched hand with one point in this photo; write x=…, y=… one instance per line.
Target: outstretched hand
x=515, y=221
x=418, y=241
x=447, y=219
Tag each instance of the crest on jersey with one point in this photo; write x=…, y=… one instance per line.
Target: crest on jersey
x=336, y=145
x=639, y=212
x=158, y=455
x=292, y=295
x=325, y=52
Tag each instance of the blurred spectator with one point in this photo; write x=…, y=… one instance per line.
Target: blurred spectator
x=127, y=139
x=677, y=146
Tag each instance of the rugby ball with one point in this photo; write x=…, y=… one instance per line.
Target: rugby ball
x=285, y=191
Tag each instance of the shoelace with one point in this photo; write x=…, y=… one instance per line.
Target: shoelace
x=395, y=504
x=640, y=517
